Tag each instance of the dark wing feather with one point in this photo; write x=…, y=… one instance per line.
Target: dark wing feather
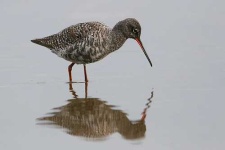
x=68, y=36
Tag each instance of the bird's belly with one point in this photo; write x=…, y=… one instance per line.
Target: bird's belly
x=85, y=56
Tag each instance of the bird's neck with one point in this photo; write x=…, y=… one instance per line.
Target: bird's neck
x=117, y=39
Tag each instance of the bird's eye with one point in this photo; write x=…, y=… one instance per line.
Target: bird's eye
x=77, y=36
x=135, y=31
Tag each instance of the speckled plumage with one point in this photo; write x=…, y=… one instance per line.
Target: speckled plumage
x=89, y=42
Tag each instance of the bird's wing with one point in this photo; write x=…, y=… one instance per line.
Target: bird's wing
x=70, y=36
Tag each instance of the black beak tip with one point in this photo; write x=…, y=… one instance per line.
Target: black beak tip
x=142, y=47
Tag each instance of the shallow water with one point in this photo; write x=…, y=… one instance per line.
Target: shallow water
x=176, y=104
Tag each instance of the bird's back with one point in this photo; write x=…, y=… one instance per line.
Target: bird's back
x=70, y=35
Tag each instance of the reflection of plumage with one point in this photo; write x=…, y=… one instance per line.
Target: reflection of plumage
x=93, y=118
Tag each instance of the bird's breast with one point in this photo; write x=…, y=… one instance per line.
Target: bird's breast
x=84, y=54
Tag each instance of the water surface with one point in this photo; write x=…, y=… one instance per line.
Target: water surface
x=176, y=104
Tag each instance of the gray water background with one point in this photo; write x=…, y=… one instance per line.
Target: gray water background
x=184, y=39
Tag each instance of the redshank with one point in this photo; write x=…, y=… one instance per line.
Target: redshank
x=89, y=42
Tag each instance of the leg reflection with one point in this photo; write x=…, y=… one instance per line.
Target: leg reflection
x=74, y=92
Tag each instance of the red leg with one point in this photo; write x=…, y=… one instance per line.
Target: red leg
x=85, y=73
x=69, y=70
x=86, y=89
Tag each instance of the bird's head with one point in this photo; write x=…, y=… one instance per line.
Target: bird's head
x=131, y=28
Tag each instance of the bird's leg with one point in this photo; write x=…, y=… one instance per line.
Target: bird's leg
x=85, y=73
x=69, y=70
x=86, y=89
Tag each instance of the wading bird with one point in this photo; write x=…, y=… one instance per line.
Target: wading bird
x=89, y=42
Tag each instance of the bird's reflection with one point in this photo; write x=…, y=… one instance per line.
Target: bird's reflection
x=94, y=118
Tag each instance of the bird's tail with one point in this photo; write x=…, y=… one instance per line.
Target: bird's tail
x=43, y=42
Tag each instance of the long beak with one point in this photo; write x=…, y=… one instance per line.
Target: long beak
x=142, y=47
